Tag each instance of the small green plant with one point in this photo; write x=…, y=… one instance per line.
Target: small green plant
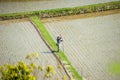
x=41, y=68
x=64, y=77
x=49, y=71
x=32, y=55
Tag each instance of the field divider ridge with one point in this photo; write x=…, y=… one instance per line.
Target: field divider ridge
x=50, y=43
x=58, y=12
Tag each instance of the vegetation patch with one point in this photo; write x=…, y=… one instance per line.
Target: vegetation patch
x=64, y=11
x=114, y=68
x=44, y=33
x=23, y=71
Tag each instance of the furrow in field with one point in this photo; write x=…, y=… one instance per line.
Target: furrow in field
x=17, y=39
x=90, y=44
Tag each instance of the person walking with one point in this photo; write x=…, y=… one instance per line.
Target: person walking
x=59, y=39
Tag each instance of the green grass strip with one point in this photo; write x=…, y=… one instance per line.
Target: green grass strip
x=65, y=11
x=114, y=68
x=44, y=33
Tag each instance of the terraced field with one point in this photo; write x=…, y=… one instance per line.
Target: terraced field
x=17, y=39
x=91, y=44
x=24, y=6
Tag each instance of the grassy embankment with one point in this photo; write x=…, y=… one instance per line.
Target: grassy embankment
x=114, y=68
x=64, y=11
x=46, y=36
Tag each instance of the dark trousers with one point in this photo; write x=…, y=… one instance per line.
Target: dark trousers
x=58, y=47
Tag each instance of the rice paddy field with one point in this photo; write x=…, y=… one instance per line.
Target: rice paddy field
x=91, y=44
x=91, y=41
x=17, y=39
x=7, y=6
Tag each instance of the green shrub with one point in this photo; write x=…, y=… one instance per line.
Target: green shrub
x=22, y=71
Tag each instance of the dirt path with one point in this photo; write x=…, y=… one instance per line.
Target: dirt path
x=14, y=21
x=80, y=16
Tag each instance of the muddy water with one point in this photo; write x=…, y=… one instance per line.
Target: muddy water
x=16, y=6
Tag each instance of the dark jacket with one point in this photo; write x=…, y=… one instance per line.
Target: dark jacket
x=59, y=39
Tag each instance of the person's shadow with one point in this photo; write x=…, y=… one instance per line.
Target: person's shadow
x=50, y=52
